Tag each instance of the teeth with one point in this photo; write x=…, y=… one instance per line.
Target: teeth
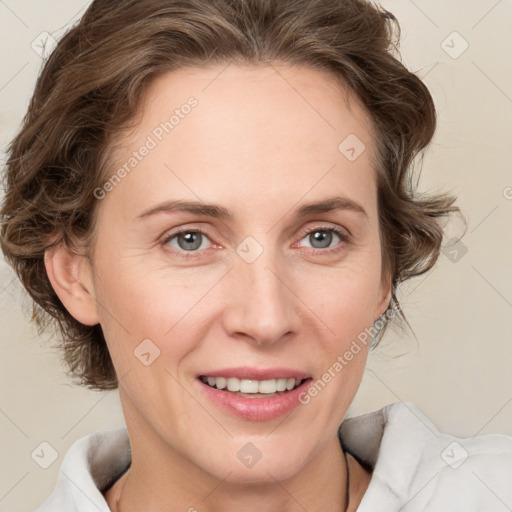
x=249, y=386
x=290, y=384
x=281, y=384
x=268, y=386
x=233, y=384
x=252, y=386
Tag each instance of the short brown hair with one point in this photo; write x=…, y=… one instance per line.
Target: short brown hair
x=91, y=86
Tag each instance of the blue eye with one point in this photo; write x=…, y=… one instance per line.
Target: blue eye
x=321, y=238
x=188, y=243
x=189, y=240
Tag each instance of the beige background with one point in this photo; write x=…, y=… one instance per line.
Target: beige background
x=458, y=370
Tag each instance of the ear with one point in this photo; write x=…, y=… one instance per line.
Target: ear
x=71, y=277
x=385, y=297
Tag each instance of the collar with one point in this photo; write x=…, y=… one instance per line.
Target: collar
x=396, y=442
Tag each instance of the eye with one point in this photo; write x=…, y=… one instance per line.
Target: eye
x=191, y=241
x=188, y=240
x=322, y=237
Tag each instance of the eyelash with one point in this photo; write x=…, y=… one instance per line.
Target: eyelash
x=343, y=236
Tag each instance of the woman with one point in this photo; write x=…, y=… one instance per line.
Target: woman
x=212, y=199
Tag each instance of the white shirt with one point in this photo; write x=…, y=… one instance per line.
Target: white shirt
x=414, y=466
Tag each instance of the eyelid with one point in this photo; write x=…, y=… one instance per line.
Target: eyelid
x=344, y=235
x=171, y=234
x=343, y=232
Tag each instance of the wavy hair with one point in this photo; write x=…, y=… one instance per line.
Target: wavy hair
x=90, y=88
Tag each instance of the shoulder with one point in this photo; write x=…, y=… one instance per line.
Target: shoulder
x=417, y=467
x=89, y=466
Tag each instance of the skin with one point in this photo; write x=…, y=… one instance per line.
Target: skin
x=261, y=142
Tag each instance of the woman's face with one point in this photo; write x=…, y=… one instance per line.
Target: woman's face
x=257, y=287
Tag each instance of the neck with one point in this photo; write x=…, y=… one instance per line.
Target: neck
x=160, y=480
x=165, y=477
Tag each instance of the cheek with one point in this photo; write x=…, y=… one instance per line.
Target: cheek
x=165, y=307
x=345, y=308
x=343, y=311
x=343, y=298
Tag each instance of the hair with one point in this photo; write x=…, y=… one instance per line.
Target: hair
x=91, y=87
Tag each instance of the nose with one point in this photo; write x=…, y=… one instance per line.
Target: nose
x=260, y=307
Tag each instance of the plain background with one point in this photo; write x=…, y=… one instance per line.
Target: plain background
x=457, y=370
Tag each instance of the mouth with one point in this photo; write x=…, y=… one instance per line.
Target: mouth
x=255, y=394
x=251, y=388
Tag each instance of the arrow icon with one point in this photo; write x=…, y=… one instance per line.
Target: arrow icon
x=146, y=352
x=249, y=455
x=351, y=147
x=454, y=455
x=249, y=253
x=44, y=455
x=454, y=45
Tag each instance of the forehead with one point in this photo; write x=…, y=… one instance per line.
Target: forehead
x=252, y=127
x=270, y=97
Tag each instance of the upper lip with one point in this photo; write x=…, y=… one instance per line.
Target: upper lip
x=251, y=373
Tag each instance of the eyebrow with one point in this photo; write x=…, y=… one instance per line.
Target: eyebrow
x=216, y=211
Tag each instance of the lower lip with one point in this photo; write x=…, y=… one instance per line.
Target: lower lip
x=255, y=409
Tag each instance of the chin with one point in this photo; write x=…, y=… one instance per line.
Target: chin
x=251, y=465
x=262, y=473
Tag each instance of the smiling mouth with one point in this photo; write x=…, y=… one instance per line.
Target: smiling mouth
x=250, y=388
